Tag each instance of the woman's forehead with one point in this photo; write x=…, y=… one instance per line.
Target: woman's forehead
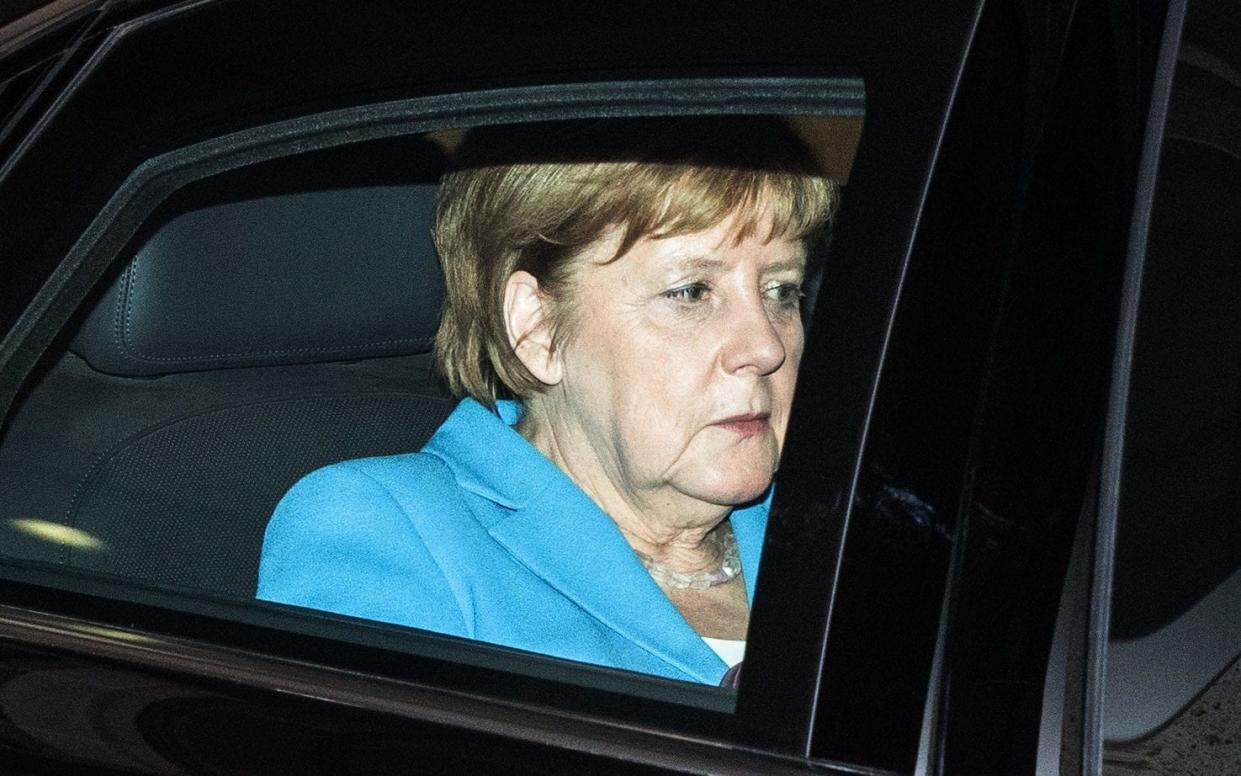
x=713, y=249
x=700, y=201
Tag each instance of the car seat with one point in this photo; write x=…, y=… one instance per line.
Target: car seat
x=266, y=322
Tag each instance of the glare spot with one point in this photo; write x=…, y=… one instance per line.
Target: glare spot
x=55, y=532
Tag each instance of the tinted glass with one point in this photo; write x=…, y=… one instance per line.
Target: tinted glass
x=1038, y=422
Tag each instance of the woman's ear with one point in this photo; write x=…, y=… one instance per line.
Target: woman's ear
x=528, y=320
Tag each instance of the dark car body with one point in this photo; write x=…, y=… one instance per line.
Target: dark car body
x=996, y=453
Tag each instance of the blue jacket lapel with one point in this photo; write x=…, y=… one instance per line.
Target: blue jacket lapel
x=563, y=538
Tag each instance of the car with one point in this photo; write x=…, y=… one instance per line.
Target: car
x=1005, y=537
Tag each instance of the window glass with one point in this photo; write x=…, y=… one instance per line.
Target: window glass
x=1172, y=691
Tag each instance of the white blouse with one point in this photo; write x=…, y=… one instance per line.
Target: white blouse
x=731, y=651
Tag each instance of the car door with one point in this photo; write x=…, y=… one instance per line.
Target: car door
x=1139, y=676
x=1019, y=683
x=161, y=109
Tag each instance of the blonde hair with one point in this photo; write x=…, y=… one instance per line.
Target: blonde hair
x=532, y=197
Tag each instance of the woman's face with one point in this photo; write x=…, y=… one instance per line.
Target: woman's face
x=678, y=367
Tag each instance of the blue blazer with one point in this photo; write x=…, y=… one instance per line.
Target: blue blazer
x=479, y=535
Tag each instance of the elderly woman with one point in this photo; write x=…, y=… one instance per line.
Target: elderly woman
x=623, y=322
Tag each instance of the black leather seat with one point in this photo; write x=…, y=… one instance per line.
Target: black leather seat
x=269, y=322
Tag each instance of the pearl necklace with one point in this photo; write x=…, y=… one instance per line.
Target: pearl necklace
x=729, y=568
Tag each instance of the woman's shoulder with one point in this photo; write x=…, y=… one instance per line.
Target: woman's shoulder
x=382, y=470
x=348, y=538
x=376, y=496
x=376, y=478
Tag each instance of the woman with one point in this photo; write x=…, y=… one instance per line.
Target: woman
x=623, y=324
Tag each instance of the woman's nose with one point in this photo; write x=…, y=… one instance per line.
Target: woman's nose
x=753, y=339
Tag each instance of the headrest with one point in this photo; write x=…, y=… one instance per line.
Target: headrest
x=290, y=277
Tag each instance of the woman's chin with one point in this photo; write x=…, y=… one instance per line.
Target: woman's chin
x=735, y=486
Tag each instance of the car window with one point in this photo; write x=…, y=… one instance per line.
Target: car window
x=1171, y=699
x=262, y=323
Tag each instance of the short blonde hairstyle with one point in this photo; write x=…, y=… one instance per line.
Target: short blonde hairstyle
x=532, y=197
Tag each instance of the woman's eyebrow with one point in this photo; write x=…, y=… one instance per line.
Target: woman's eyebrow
x=705, y=263
x=700, y=263
x=796, y=265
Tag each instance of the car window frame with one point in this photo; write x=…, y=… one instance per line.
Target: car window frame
x=1111, y=469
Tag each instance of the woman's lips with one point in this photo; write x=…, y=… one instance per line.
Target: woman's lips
x=745, y=425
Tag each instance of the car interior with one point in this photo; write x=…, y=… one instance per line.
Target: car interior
x=263, y=323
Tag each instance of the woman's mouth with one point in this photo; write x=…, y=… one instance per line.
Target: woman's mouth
x=746, y=425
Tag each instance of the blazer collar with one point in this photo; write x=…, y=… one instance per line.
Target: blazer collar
x=488, y=457
x=558, y=532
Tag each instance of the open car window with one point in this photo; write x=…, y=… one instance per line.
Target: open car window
x=258, y=323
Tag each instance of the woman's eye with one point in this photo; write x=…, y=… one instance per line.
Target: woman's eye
x=691, y=292
x=787, y=294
